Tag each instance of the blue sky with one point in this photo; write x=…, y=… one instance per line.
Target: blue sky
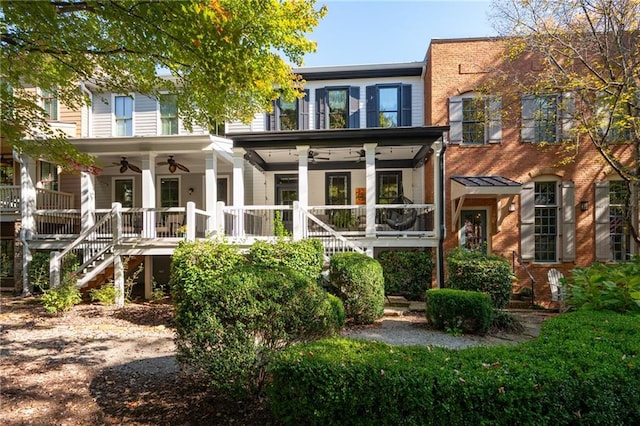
x=369, y=32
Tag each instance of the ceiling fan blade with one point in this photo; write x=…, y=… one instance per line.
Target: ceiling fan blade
x=182, y=167
x=123, y=168
x=162, y=163
x=323, y=158
x=135, y=168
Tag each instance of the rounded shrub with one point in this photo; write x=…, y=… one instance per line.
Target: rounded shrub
x=232, y=316
x=475, y=271
x=406, y=273
x=304, y=256
x=358, y=281
x=459, y=310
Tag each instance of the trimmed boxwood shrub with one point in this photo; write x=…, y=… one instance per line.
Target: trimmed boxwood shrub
x=304, y=256
x=232, y=316
x=475, y=271
x=406, y=273
x=459, y=310
x=583, y=369
x=358, y=281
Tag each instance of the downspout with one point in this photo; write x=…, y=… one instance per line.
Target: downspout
x=441, y=234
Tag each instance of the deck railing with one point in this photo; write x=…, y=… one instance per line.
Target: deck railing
x=46, y=199
x=10, y=198
x=405, y=219
x=255, y=221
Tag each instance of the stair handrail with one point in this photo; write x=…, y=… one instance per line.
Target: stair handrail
x=57, y=257
x=331, y=231
x=516, y=257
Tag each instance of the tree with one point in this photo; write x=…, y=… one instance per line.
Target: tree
x=590, y=48
x=223, y=59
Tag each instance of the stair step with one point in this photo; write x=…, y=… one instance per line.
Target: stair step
x=398, y=302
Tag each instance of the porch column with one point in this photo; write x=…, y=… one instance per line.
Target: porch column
x=370, y=173
x=27, y=207
x=87, y=200
x=211, y=189
x=299, y=219
x=238, y=191
x=439, y=148
x=148, y=194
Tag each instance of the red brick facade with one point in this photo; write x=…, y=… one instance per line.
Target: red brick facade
x=455, y=67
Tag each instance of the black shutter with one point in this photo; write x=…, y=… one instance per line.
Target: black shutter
x=303, y=112
x=372, y=107
x=321, y=109
x=271, y=121
x=354, y=107
x=405, y=115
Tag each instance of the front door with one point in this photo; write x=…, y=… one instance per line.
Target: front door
x=286, y=194
x=473, y=229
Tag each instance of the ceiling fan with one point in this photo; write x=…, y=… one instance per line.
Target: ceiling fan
x=312, y=156
x=173, y=165
x=124, y=165
x=361, y=155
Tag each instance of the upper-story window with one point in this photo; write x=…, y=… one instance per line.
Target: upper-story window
x=289, y=115
x=389, y=105
x=48, y=176
x=168, y=114
x=123, y=111
x=475, y=120
x=547, y=118
x=338, y=107
x=49, y=104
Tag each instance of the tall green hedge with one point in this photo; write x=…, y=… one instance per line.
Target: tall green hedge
x=358, y=281
x=475, y=271
x=583, y=369
x=232, y=316
x=304, y=256
x=406, y=273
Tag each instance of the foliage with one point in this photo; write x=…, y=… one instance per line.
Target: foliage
x=406, y=272
x=279, y=230
x=467, y=311
x=304, y=256
x=105, y=295
x=61, y=298
x=506, y=321
x=39, y=268
x=358, y=281
x=227, y=59
x=614, y=287
x=233, y=315
x=473, y=270
x=583, y=369
x=588, y=48
x=343, y=219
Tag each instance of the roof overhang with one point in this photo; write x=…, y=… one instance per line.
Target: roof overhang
x=501, y=189
x=397, y=147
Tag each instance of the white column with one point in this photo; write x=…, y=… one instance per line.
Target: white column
x=303, y=175
x=238, y=191
x=370, y=173
x=118, y=266
x=211, y=189
x=149, y=194
x=87, y=200
x=28, y=206
x=191, y=221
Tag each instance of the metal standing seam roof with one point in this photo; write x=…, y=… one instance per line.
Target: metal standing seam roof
x=485, y=181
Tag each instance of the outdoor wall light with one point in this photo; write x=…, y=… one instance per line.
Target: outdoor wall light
x=512, y=206
x=583, y=206
x=190, y=191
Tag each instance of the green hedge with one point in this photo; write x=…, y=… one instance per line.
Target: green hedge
x=233, y=316
x=475, y=271
x=583, y=369
x=406, y=273
x=304, y=256
x=358, y=281
x=459, y=310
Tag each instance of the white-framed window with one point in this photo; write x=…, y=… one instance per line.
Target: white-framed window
x=547, y=117
x=613, y=236
x=49, y=104
x=168, y=107
x=123, y=115
x=547, y=220
x=123, y=191
x=475, y=119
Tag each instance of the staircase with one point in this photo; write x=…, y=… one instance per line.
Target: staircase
x=106, y=274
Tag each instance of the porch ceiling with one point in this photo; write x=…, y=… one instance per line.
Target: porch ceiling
x=339, y=148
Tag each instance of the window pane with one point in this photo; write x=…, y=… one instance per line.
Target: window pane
x=124, y=192
x=388, y=187
x=123, y=112
x=338, y=189
x=169, y=114
x=50, y=105
x=545, y=222
x=388, y=106
x=6, y=170
x=288, y=115
x=169, y=192
x=545, y=119
x=48, y=176
x=338, y=110
x=473, y=120
x=618, y=230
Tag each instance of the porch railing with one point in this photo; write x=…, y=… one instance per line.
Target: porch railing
x=49, y=199
x=332, y=240
x=57, y=224
x=10, y=198
x=405, y=219
x=348, y=220
x=255, y=221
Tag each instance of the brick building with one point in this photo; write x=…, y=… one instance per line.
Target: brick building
x=503, y=188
